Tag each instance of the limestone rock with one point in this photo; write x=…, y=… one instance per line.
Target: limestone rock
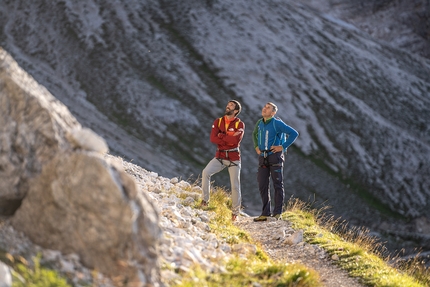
x=5, y=275
x=295, y=238
x=63, y=194
x=32, y=128
x=88, y=140
x=79, y=204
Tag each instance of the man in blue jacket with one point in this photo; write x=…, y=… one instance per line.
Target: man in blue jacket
x=271, y=138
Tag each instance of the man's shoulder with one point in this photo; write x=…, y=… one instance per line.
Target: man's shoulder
x=279, y=121
x=235, y=120
x=239, y=122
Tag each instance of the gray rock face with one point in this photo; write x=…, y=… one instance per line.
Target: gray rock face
x=33, y=126
x=73, y=200
x=404, y=23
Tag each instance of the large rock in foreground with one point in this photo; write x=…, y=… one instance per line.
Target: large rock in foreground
x=80, y=204
x=62, y=192
x=33, y=127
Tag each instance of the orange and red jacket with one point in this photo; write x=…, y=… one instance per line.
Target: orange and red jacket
x=222, y=136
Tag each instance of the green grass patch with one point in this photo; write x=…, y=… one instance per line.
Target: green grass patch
x=24, y=275
x=356, y=252
x=256, y=269
x=240, y=272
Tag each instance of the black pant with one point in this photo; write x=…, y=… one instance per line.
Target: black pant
x=272, y=167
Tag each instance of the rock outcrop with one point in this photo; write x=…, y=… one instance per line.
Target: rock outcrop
x=33, y=126
x=66, y=196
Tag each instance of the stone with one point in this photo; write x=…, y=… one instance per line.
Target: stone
x=5, y=275
x=295, y=238
x=62, y=192
x=33, y=128
x=84, y=138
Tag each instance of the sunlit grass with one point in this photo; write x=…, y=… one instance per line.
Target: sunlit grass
x=355, y=250
x=240, y=272
x=36, y=276
x=256, y=269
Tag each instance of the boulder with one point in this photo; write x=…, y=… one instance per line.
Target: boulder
x=81, y=204
x=33, y=127
x=63, y=193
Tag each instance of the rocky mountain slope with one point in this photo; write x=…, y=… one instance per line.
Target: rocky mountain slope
x=150, y=77
x=403, y=24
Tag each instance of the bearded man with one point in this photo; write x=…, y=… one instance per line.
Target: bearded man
x=227, y=133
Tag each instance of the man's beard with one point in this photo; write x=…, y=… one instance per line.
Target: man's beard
x=229, y=112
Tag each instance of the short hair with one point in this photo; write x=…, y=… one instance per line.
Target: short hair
x=237, y=106
x=275, y=107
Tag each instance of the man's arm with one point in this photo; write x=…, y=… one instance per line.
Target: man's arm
x=255, y=137
x=216, y=134
x=236, y=138
x=291, y=133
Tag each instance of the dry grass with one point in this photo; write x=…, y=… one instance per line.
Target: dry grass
x=254, y=270
x=359, y=253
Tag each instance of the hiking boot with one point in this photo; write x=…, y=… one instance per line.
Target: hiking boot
x=233, y=217
x=261, y=218
x=277, y=216
x=203, y=203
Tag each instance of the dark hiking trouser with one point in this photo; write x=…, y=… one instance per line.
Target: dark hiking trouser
x=274, y=170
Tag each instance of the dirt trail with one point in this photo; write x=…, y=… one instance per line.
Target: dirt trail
x=271, y=235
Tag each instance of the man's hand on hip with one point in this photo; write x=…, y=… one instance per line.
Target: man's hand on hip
x=276, y=148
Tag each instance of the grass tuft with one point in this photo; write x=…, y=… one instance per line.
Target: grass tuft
x=362, y=255
x=256, y=269
x=37, y=276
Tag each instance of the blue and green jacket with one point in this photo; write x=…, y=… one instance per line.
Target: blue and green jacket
x=271, y=132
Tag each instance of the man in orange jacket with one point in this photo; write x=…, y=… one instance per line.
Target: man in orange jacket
x=227, y=133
